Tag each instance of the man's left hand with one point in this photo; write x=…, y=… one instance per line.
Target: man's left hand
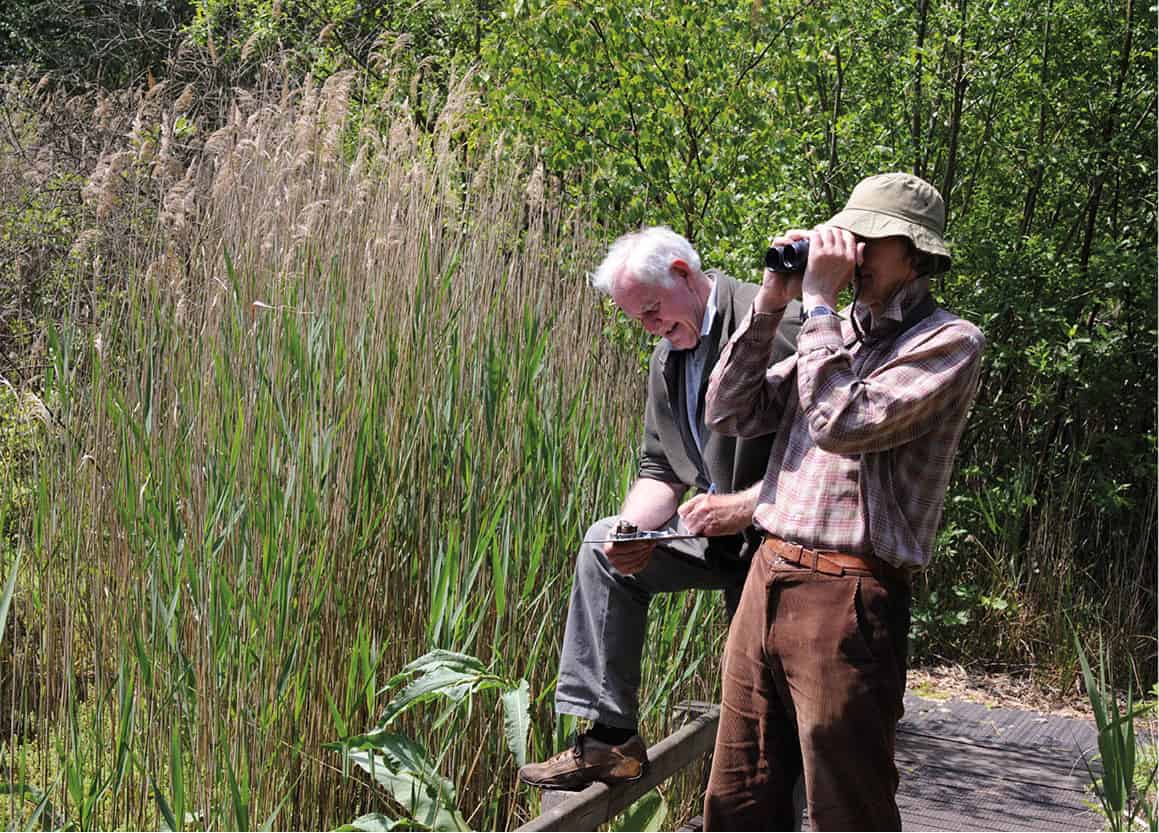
x=712, y=515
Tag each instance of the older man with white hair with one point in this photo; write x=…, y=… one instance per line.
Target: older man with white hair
x=655, y=277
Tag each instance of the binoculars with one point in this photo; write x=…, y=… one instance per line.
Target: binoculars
x=791, y=258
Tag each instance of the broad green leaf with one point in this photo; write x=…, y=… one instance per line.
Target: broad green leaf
x=517, y=720
x=646, y=814
x=416, y=785
x=446, y=682
x=438, y=658
x=401, y=751
x=376, y=823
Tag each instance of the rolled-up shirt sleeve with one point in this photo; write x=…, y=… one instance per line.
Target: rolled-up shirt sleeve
x=896, y=402
x=745, y=396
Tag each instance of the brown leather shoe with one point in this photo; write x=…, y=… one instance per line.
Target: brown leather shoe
x=589, y=760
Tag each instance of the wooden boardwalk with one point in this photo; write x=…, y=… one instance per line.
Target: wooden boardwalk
x=963, y=766
x=967, y=767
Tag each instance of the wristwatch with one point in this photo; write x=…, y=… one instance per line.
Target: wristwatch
x=817, y=311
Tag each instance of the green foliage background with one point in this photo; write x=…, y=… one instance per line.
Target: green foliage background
x=729, y=122
x=733, y=121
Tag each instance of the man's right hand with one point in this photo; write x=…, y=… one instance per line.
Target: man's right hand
x=629, y=557
x=779, y=288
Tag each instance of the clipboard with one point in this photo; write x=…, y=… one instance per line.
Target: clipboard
x=655, y=535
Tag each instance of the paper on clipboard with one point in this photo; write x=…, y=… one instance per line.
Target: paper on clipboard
x=679, y=533
x=643, y=535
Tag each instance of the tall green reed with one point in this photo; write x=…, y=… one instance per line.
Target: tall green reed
x=354, y=403
x=1125, y=784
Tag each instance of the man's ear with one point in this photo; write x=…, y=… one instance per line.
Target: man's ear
x=682, y=270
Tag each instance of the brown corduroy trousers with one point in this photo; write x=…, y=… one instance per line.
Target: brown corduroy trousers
x=813, y=676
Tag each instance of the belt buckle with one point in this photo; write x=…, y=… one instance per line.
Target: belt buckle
x=836, y=567
x=799, y=558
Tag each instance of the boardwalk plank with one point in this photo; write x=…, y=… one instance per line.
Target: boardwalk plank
x=963, y=766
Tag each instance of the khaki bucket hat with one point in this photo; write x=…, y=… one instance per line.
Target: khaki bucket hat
x=897, y=204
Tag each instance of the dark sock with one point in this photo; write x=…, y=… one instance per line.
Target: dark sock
x=610, y=734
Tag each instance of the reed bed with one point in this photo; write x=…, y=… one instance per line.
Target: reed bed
x=352, y=401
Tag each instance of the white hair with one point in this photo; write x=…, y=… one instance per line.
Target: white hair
x=647, y=255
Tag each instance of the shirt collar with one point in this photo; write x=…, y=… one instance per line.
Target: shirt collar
x=709, y=313
x=896, y=307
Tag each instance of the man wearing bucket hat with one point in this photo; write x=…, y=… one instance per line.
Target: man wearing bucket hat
x=867, y=420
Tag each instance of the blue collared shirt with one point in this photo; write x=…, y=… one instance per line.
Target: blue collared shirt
x=694, y=368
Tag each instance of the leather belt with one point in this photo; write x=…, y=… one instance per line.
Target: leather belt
x=833, y=563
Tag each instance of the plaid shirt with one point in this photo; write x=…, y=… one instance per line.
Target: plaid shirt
x=866, y=433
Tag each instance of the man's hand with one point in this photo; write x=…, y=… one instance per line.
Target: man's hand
x=717, y=514
x=649, y=504
x=629, y=557
x=833, y=255
x=779, y=288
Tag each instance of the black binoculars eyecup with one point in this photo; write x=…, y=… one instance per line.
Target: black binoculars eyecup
x=791, y=258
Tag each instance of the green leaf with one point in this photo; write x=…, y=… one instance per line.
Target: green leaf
x=271, y=819
x=239, y=795
x=517, y=720
x=6, y=599
x=401, y=751
x=438, y=659
x=446, y=682
x=31, y=793
x=177, y=773
x=401, y=766
x=442, y=674
x=646, y=814
x=335, y=715
x=375, y=823
x=168, y=819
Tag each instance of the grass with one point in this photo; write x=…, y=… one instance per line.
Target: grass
x=1125, y=785
x=929, y=691
x=357, y=404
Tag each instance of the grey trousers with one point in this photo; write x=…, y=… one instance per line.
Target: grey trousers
x=599, y=666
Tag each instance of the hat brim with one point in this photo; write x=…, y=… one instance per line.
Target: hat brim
x=874, y=224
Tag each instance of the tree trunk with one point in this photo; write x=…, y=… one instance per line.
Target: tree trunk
x=832, y=175
x=960, y=84
x=1036, y=178
x=1108, y=133
x=916, y=126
